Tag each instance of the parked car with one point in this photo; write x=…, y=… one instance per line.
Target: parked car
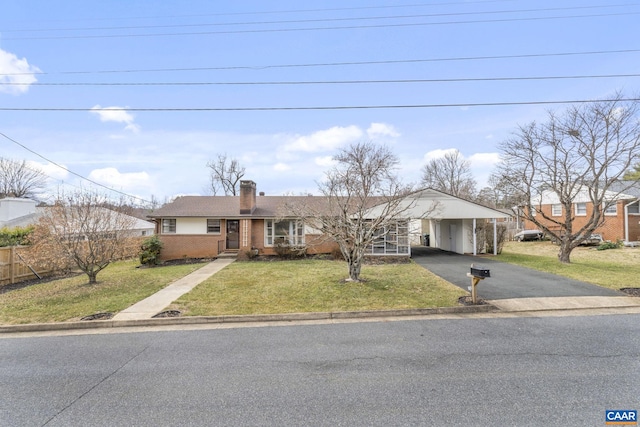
x=527, y=235
x=592, y=240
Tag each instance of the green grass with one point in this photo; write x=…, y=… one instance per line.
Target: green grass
x=613, y=268
x=315, y=286
x=119, y=286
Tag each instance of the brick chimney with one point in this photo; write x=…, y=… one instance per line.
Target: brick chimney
x=247, y=197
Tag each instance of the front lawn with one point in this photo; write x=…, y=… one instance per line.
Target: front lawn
x=315, y=286
x=119, y=286
x=612, y=268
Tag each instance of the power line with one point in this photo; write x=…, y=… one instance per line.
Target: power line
x=331, y=82
x=72, y=172
x=300, y=21
x=311, y=108
x=335, y=64
x=348, y=27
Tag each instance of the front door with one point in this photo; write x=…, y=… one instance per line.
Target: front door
x=233, y=234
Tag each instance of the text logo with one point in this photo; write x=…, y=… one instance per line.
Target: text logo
x=621, y=417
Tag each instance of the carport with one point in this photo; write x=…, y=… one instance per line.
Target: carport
x=450, y=222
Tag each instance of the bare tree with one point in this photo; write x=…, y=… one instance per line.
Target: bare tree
x=225, y=175
x=362, y=199
x=450, y=174
x=581, y=152
x=83, y=232
x=17, y=179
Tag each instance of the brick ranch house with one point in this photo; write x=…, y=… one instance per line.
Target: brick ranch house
x=206, y=226
x=621, y=221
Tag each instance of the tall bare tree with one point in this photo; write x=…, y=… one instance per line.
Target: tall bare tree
x=582, y=151
x=17, y=179
x=450, y=174
x=362, y=179
x=79, y=229
x=225, y=175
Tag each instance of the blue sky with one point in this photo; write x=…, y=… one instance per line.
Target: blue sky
x=102, y=67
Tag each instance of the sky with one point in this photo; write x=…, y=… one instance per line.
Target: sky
x=139, y=96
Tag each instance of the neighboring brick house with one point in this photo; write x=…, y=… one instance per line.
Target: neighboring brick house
x=621, y=221
x=205, y=226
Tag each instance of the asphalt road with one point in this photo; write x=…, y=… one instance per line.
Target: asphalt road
x=467, y=372
x=507, y=280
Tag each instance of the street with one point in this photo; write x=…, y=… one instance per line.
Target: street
x=551, y=371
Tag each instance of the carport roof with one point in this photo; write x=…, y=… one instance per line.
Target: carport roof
x=433, y=204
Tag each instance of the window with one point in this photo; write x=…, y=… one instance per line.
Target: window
x=290, y=232
x=391, y=240
x=168, y=226
x=581, y=209
x=611, y=210
x=213, y=226
x=556, y=210
x=634, y=208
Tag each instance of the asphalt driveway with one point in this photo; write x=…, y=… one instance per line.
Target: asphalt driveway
x=507, y=280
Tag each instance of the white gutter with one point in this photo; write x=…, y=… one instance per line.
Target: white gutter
x=626, y=219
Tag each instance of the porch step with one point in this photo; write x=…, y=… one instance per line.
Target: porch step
x=229, y=253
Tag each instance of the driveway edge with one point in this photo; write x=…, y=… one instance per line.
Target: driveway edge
x=290, y=317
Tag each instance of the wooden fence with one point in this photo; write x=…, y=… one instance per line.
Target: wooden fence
x=12, y=268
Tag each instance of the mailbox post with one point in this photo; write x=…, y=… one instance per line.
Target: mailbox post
x=477, y=274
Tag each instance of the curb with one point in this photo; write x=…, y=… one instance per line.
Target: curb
x=198, y=320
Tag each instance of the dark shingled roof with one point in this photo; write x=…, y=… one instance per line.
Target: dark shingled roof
x=229, y=206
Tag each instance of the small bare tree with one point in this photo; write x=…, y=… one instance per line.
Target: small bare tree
x=450, y=174
x=87, y=234
x=225, y=175
x=361, y=197
x=581, y=152
x=17, y=179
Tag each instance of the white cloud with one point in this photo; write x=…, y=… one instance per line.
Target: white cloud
x=325, y=140
x=381, y=130
x=436, y=154
x=50, y=170
x=14, y=70
x=324, y=161
x=116, y=114
x=281, y=167
x=127, y=181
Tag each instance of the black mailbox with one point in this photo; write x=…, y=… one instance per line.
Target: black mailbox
x=477, y=271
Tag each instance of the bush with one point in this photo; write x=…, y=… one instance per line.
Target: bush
x=609, y=245
x=287, y=251
x=15, y=236
x=150, y=251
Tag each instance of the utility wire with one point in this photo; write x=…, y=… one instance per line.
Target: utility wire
x=333, y=64
x=348, y=27
x=306, y=21
x=309, y=108
x=330, y=82
x=72, y=172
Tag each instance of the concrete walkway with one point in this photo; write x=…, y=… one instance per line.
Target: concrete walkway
x=149, y=307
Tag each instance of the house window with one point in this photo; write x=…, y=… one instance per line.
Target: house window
x=556, y=210
x=611, y=210
x=289, y=232
x=634, y=208
x=581, y=209
x=392, y=239
x=213, y=226
x=168, y=226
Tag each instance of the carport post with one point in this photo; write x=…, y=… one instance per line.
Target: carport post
x=474, y=237
x=495, y=236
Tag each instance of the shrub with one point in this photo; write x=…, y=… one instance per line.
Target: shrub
x=609, y=245
x=15, y=236
x=287, y=251
x=150, y=251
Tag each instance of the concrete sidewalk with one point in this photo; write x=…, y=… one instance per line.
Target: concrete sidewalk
x=564, y=303
x=149, y=307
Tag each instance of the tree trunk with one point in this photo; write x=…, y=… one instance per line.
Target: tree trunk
x=93, y=275
x=354, y=269
x=564, y=254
